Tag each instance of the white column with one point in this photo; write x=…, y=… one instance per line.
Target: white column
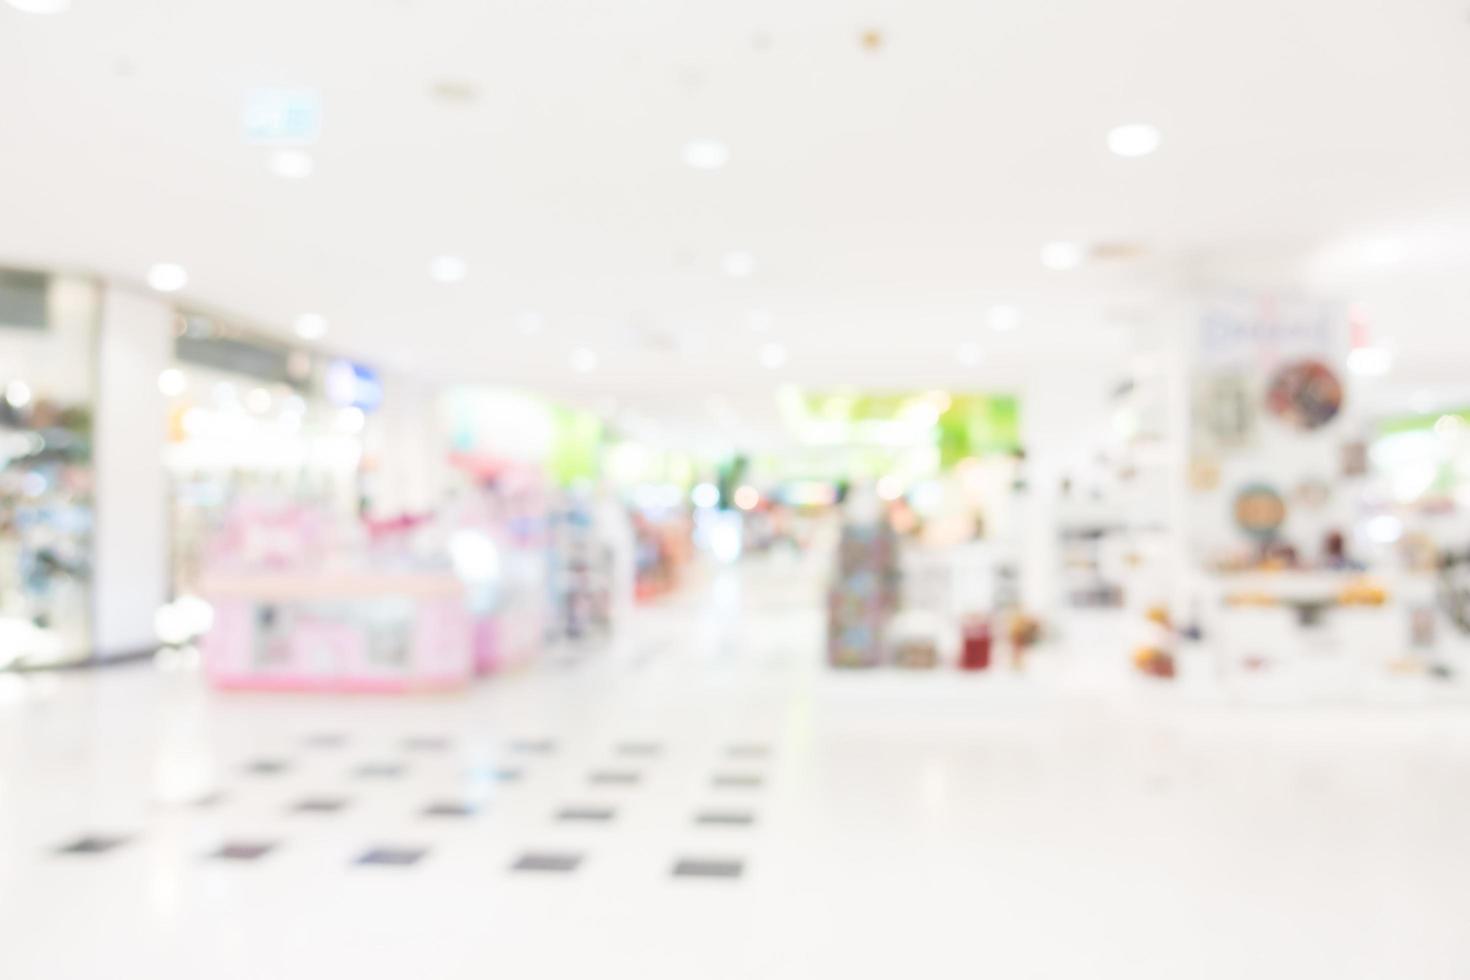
x=131, y=546
x=409, y=448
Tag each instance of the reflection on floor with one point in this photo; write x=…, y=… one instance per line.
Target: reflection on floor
x=707, y=801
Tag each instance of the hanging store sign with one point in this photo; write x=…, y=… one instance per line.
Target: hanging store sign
x=282, y=117
x=348, y=384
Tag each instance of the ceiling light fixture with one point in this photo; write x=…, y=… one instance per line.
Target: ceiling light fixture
x=447, y=268
x=351, y=419
x=773, y=356
x=311, y=326
x=18, y=394
x=706, y=154
x=1061, y=256
x=168, y=277
x=584, y=360
x=738, y=265
x=1134, y=139
x=1003, y=318
x=172, y=382
x=292, y=164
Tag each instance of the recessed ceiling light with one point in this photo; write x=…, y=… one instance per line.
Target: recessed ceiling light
x=447, y=268
x=738, y=265
x=773, y=356
x=1004, y=318
x=41, y=6
x=1061, y=256
x=18, y=394
x=351, y=419
x=706, y=154
x=969, y=354
x=292, y=164
x=168, y=277
x=1134, y=139
x=584, y=360
x=172, y=382
x=311, y=326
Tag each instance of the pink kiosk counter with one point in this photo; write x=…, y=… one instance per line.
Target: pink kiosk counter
x=409, y=605
x=341, y=631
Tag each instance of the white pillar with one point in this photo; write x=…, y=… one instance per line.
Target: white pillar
x=131, y=543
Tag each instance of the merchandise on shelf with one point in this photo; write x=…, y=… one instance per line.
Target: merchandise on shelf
x=663, y=546
x=864, y=595
x=585, y=575
x=506, y=505
x=976, y=642
x=46, y=531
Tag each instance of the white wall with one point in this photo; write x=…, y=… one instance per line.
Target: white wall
x=1063, y=417
x=56, y=362
x=132, y=537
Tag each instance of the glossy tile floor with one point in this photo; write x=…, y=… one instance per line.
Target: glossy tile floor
x=707, y=801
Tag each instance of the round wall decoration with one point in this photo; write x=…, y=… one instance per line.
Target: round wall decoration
x=1304, y=394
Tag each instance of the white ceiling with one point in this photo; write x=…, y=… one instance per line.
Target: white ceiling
x=888, y=198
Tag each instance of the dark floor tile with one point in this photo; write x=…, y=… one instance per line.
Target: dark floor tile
x=615, y=777
x=326, y=740
x=561, y=862
x=748, y=750
x=427, y=743
x=394, y=856
x=450, y=809
x=708, y=868
x=267, y=767
x=725, y=818
x=243, y=850
x=586, y=814
x=380, y=770
x=534, y=746
x=92, y=844
x=738, y=780
x=320, y=804
x=493, y=774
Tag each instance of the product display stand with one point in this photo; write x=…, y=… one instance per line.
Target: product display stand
x=864, y=595
x=338, y=631
x=581, y=576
